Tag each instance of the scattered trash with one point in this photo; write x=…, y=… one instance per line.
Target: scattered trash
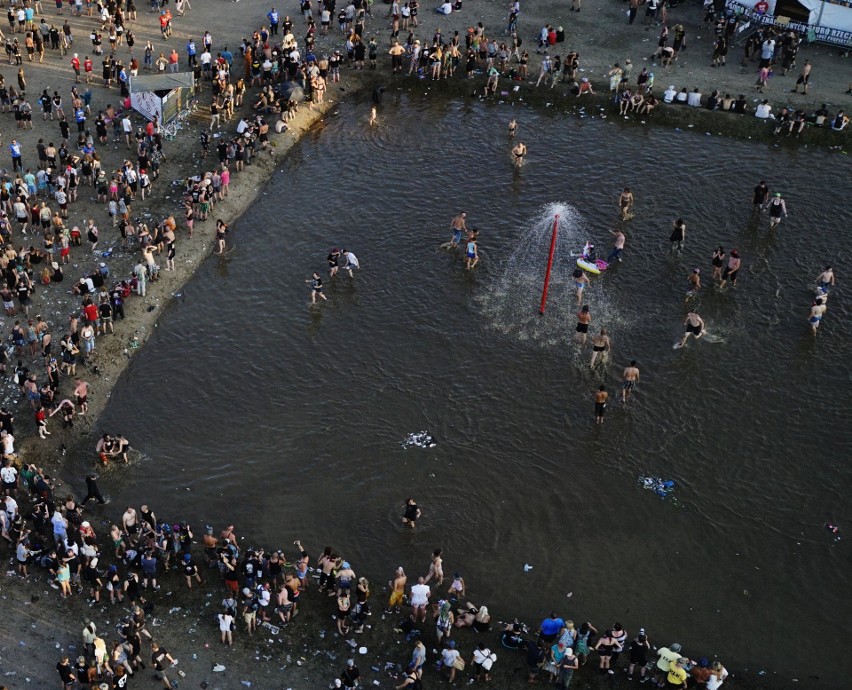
x=834, y=529
x=362, y=650
x=661, y=487
x=421, y=439
x=527, y=567
x=218, y=668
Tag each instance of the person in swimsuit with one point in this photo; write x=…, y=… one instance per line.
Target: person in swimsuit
x=600, y=346
x=605, y=648
x=718, y=262
x=518, y=152
x=580, y=282
x=629, y=379
x=584, y=318
x=316, y=287
x=513, y=129
x=678, y=235
x=600, y=404
x=825, y=281
x=693, y=325
x=693, y=283
x=817, y=312
x=625, y=203
x=221, y=229
x=472, y=253
x=731, y=269
x=776, y=208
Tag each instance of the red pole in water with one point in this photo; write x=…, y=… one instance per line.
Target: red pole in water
x=549, y=263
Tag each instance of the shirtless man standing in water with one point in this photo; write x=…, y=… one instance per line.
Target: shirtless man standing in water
x=518, y=152
x=625, y=202
x=694, y=325
x=825, y=280
x=513, y=128
x=600, y=346
x=629, y=379
x=458, y=227
x=600, y=404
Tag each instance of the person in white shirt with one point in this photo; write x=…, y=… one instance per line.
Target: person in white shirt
x=420, y=594
x=446, y=8
x=669, y=94
x=694, y=99
x=450, y=659
x=225, y=622
x=764, y=111
x=682, y=96
x=717, y=677
x=9, y=477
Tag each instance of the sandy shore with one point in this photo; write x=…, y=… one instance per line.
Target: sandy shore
x=35, y=633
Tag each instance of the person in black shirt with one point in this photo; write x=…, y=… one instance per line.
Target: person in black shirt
x=66, y=673
x=159, y=659
x=350, y=675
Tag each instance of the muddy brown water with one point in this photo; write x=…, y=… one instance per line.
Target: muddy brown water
x=249, y=406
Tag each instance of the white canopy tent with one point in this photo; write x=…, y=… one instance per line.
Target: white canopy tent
x=819, y=20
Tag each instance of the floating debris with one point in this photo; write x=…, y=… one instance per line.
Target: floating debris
x=420, y=439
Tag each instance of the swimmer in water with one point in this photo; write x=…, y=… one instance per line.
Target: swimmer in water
x=600, y=346
x=825, y=280
x=584, y=318
x=374, y=118
x=600, y=404
x=625, y=203
x=718, y=262
x=694, y=325
x=629, y=379
x=817, y=312
x=411, y=513
x=458, y=227
x=678, y=235
x=513, y=129
x=316, y=287
x=580, y=282
x=518, y=152
x=693, y=284
x=731, y=269
x=776, y=207
x=472, y=252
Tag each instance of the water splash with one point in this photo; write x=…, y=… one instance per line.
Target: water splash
x=511, y=303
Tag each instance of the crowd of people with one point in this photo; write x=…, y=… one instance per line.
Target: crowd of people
x=49, y=534
x=125, y=569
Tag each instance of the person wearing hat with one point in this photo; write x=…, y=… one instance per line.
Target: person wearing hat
x=451, y=659
x=666, y=656
x=638, y=655
x=350, y=675
x=190, y=570
x=570, y=663
x=776, y=208
x=677, y=676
